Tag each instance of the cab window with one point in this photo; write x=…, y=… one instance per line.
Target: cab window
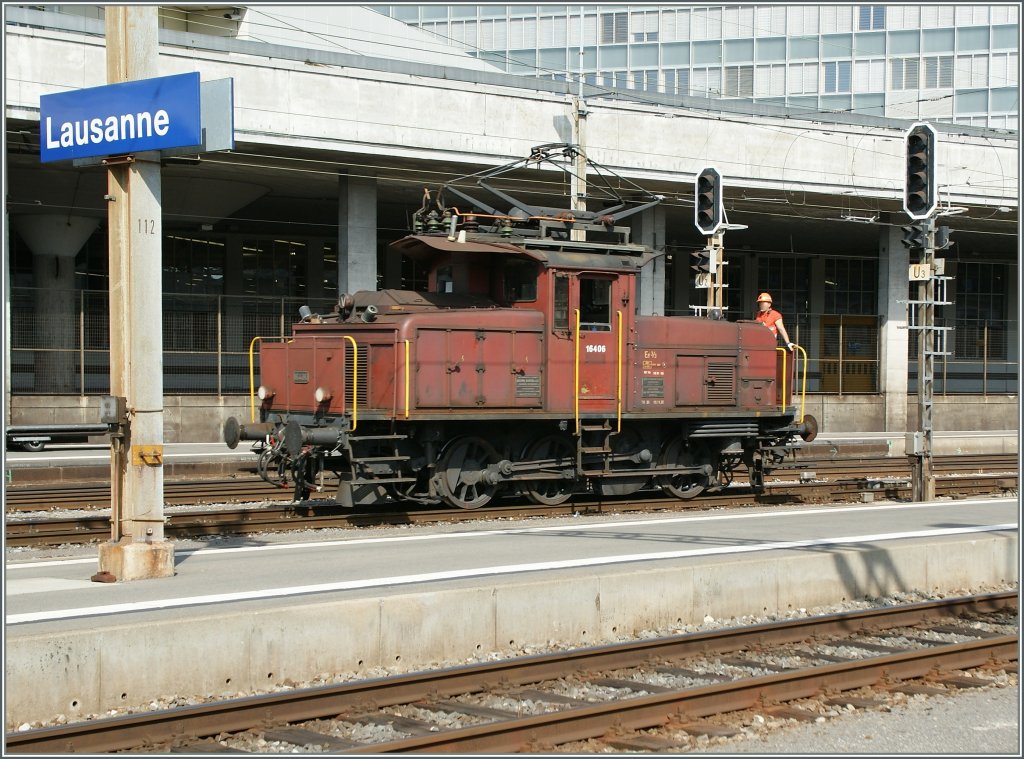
x=520, y=281
x=595, y=304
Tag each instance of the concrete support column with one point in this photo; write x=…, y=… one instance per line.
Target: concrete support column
x=357, y=234
x=649, y=230
x=810, y=339
x=55, y=241
x=893, y=265
x=137, y=549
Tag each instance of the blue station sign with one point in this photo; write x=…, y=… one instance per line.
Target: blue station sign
x=116, y=119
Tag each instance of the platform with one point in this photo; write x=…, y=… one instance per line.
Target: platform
x=272, y=609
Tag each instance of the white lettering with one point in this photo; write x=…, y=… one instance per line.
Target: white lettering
x=108, y=129
x=51, y=143
x=127, y=125
x=161, y=122
x=82, y=135
x=144, y=124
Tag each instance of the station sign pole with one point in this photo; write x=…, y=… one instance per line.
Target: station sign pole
x=137, y=549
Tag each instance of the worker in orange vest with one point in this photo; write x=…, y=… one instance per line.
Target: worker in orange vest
x=771, y=318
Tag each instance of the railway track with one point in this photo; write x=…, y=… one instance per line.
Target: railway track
x=649, y=695
x=246, y=487
x=324, y=514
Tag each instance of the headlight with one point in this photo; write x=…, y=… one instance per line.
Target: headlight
x=322, y=394
x=264, y=392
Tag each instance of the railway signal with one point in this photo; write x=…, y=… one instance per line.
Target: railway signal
x=942, y=240
x=920, y=199
x=707, y=214
x=915, y=236
x=704, y=260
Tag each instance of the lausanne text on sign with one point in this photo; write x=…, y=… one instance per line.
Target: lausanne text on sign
x=116, y=119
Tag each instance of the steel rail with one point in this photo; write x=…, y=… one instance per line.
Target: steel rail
x=97, y=495
x=318, y=515
x=158, y=727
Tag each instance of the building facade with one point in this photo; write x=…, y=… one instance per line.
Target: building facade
x=955, y=63
x=334, y=149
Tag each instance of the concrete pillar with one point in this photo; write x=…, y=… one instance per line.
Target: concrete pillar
x=137, y=549
x=649, y=230
x=357, y=234
x=810, y=339
x=55, y=240
x=893, y=287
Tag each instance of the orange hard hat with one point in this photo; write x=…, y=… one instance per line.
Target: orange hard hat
x=764, y=297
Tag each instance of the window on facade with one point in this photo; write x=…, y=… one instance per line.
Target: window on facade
x=972, y=71
x=903, y=74
x=644, y=26
x=330, y=274
x=677, y=81
x=770, y=81
x=803, y=78
x=650, y=80
x=589, y=29
x=706, y=82
x=551, y=32
x=193, y=265
x=869, y=76
x=706, y=23
x=981, y=315
x=938, y=72
x=851, y=286
x=837, y=76
x=464, y=32
x=614, y=28
x=787, y=279
x=871, y=17
x=274, y=267
x=739, y=81
x=675, y=25
x=1003, y=71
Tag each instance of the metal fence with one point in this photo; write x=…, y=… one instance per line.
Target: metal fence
x=60, y=346
x=65, y=349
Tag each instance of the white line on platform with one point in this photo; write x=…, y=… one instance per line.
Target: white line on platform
x=379, y=582
x=528, y=530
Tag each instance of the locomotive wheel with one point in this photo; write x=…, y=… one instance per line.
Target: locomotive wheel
x=683, y=486
x=552, y=492
x=462, y=472
x=628, y=442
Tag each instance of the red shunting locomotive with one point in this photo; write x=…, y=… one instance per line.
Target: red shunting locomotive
x=524, y=368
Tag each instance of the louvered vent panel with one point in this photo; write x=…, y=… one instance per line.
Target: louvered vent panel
x=362, y=381
x=721, y=383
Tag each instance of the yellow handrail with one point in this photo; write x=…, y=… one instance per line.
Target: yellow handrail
x=252, y=382
x=576, y=371
x=355, y=381
x=785, y=375
x=618, y=379
x=803, y=387
x=407, y=370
